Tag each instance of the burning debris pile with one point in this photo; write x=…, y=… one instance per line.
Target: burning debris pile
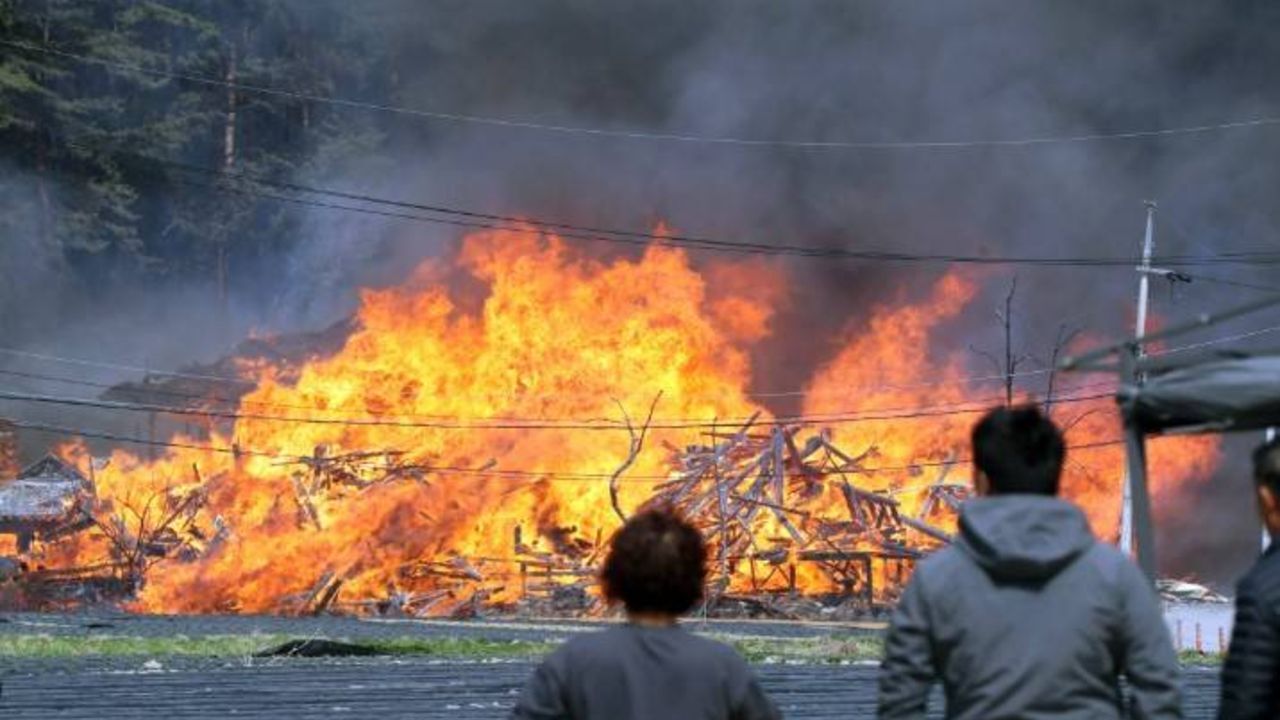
x=772, y=509
x=43, y=503
x=450, y=452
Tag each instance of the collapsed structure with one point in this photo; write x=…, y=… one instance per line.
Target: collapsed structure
x=45, y=502
x=772, y=506
x=438, y=454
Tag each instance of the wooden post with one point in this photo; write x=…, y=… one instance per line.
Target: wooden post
x=9, y=467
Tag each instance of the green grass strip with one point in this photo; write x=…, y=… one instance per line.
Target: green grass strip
x=826, y=649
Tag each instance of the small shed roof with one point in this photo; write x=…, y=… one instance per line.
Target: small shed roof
x=47, y=492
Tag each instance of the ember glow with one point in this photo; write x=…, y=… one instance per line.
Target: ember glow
x=478, y=419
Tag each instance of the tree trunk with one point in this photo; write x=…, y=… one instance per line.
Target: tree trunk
x=1010, y=362
x=42, y=160
x=228, y=164
x=42, y=191
x=222, y=236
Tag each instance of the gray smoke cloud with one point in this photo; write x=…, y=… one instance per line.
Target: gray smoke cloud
x=880, y=72
x=825, y=71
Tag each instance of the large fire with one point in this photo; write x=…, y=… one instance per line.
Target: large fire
x=499, y=382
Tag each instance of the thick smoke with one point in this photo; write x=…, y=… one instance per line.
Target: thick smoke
x=825, y=71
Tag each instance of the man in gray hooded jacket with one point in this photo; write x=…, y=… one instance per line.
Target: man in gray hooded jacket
x=1026, y=615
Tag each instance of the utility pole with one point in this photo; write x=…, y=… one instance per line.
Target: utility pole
x=1144, y=289
x=1266, y=536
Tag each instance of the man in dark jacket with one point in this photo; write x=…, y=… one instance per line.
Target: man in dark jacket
x=1251, y=675
x=1026, y=615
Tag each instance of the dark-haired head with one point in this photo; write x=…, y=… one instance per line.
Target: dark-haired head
x=656, y=564
x=1017, y=450
x=1266, y=473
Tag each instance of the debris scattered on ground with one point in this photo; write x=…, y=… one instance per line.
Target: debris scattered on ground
x=318, y=648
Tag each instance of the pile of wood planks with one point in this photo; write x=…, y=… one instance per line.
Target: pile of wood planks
x=773, y=506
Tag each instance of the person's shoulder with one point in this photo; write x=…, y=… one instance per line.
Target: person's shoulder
x=1262, y=582
x=1113, y=568
x=588, y=644
x=940, y=566
x=711, y=648
x=1108, y=556
x=605, y=635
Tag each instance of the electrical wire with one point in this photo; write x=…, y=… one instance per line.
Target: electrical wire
x=531, y=424
x=647, y=238
x=622, y=134
x=863, y=389
x=240, y=401
x=119, y=366
x=1197, y=277
x=538, y=227
x=481, y=471
x=1217, y=341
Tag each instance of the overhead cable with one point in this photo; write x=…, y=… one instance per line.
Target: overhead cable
x=535, y=475
x=530, y=424
x=540, y=226
x=674, y=137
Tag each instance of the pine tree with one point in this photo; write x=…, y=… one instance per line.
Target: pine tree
x=94, y=145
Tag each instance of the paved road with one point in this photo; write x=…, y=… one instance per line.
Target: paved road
x=384, y=688
x=418, y=688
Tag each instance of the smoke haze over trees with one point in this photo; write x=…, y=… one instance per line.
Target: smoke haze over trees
x=107, y=248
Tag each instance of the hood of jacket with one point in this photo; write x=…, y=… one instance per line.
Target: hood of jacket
x=1023, y=537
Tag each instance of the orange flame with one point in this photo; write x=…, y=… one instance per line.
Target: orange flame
x=556, y=336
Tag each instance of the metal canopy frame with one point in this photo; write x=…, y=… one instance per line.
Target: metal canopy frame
x=1126, y=359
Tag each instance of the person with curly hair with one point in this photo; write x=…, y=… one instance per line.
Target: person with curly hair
x=648, y=668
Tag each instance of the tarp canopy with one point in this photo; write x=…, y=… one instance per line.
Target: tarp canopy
x=1222, y=395
x=1218, y=395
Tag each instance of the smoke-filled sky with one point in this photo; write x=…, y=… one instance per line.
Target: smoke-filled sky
x=842, y=70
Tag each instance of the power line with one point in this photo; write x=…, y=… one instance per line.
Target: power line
x=489, y=420
x=531, y=424
x=163, y=392
x=484, y=472
x=118, y=366
x=1216, y=341
x=648, y=237
x=240, y=402
x=1233, y=283
x=862, y=389
x=510, y=123
x=537, y=226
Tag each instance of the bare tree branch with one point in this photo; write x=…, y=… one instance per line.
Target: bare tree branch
x=1077, y=419
x=1060, y=343
x=1010, y=362
x=637, y=444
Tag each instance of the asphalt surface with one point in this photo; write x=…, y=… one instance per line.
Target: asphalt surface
x=419, y=687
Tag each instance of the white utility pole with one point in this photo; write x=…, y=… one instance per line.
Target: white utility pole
x=1266, y=537
x=1144, y=288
